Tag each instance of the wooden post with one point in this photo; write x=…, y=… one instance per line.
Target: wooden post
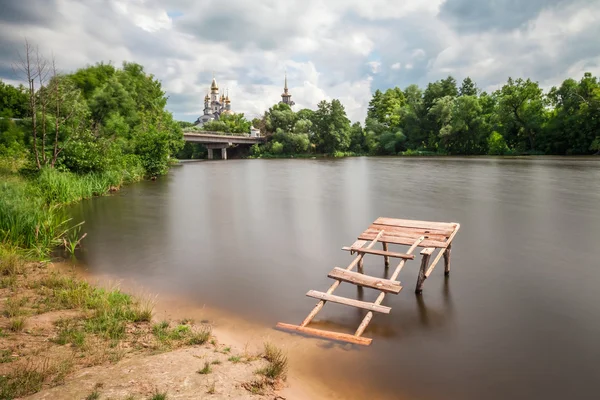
x=360, y=267
x=447, y=260
x=386, y=258
x=426, y=252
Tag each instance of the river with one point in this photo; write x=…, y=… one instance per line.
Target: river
x=519, y=316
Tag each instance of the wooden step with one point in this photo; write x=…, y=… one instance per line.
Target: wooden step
x=349, y=302
x=381, y=253
x=385, y=285
x=344, y=337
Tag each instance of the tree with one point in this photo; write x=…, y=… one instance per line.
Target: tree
x=332, y=127
x=497, y=145
x=13, y=101
x=521, y=112
x=280, y=116
x=468, y=88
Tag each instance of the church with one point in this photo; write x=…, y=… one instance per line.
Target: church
x=214, y=105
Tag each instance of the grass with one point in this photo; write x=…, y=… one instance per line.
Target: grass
x=16, y=324
x=70, y=332
x=31, y=216
x=22, y=381
x=200, y=337
x=216, y=362
x=206, y=369
x=235, y=359
x=5, y=356
x=278, y=363
x=158, y=395
x=166, y=335
x=95, y=395
x=211, y=389
x=111, y=309
x=11, y=262
x=12, y=307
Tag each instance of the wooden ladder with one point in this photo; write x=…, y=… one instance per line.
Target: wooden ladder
x=356, y=278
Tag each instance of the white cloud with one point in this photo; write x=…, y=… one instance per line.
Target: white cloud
x=375, y=66
x=334, y=49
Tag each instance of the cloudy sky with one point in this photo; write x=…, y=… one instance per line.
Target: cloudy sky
x=331, y=49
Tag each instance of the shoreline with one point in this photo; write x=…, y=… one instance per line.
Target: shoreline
x=240, y=334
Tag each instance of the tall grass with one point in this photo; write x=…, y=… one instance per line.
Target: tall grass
x=31, y=216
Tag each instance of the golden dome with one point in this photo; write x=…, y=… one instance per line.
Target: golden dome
x=214, y=84
x=228, y=112
x=207, y=97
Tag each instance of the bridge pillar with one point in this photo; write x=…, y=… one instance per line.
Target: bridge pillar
x=224, y=153
x=210, y=154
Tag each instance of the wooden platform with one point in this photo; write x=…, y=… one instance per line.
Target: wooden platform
x=431, y=236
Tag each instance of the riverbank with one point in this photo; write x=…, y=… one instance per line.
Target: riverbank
x=62, y=337
x=56, y=328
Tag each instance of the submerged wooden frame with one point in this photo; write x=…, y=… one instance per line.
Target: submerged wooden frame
x=431, y=236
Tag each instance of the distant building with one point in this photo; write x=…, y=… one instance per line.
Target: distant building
x=286, y=97
x=214, y=105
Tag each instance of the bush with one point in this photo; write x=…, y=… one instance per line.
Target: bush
x=497, y=145
x=277, y=148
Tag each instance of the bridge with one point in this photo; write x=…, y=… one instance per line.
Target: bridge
x=216, y=140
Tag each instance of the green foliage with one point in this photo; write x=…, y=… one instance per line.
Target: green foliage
x=276, y=147
x=14, y=101
x=497, y=145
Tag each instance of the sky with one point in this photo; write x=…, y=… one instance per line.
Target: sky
x=344, y=49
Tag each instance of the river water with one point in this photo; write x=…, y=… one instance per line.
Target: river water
x=519, y=316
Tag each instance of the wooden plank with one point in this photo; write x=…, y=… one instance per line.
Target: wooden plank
x=381, y=253
x=412, y=232
x=439, y=256
x=384, y=285
x=369, y=235
x=344, y=337
x=427, y=251
x=335, y=284
x=349, y=302
x=365, y=322
x=415, y=224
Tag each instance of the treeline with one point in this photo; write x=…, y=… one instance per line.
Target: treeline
x=445, y=118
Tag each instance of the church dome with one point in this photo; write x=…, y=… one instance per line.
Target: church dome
x=214, y=84
x=228, y=112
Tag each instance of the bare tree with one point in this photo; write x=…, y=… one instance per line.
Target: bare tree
x=42, y=72
x=25, y=65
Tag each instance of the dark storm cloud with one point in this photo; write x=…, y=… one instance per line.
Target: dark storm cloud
x=238, y=30
x=25, y=12
x=501, y=15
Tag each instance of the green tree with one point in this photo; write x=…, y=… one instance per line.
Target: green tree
x=14, y=101
x=497, y=145
x=468, y=88
x=521, y=112
x=280, y=116
x=332, y=127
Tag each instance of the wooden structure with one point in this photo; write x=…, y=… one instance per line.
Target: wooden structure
x=431, y=236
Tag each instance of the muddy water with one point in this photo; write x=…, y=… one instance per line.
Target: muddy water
x=519, y=317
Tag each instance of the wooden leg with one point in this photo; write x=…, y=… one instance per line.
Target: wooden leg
x=447, y=260
x=386, y=258
x=360, y=267
x=422, y=277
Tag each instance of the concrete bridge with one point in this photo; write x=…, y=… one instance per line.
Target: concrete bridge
x=216, y=140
